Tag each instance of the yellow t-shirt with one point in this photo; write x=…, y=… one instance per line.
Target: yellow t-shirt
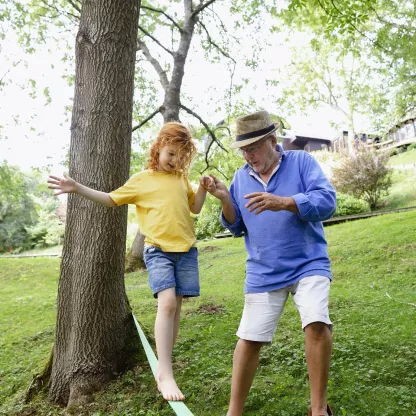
x=162, y=202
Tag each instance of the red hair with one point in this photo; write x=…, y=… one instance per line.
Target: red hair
x=177, y=135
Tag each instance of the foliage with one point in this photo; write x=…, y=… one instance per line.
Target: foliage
x=327, y=75
x=348, y=205
x=27, y=210
x=208, y=223
x=364, y=174
x=17, y=210
x=411, y=147
x=48, y=230
x=385, y=31
x=371, y=373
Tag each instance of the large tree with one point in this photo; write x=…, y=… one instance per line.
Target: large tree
x=94, y=325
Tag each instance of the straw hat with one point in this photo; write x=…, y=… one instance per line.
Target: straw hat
x=253, y=127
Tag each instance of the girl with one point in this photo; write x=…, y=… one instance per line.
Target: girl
x=164, y=199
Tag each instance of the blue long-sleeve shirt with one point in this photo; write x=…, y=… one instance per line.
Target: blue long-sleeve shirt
x=283, y=247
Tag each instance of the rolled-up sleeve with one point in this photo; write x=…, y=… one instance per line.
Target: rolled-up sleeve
x=318, y=201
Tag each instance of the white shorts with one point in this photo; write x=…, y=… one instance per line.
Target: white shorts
x=262, y=311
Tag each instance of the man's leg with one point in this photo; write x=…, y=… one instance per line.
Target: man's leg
x=245, y=363
x=318, y=346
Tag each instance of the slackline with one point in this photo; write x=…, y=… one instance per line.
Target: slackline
x=178, y=407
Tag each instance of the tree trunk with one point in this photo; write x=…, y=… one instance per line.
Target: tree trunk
x=135, y=255
x=94, y=326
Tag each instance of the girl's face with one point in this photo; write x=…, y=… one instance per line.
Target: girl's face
x=168, y=159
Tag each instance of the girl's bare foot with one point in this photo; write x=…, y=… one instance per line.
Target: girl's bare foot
x=169, y=389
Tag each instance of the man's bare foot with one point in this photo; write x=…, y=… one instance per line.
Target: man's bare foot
x=169, y=389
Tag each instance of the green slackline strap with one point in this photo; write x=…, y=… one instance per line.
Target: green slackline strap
x=178, y=407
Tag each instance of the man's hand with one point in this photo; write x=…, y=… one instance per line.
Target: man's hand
x=214, y=186
x=262, y=201
x=63, y=185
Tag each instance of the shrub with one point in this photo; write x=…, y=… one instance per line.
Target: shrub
x=349, y=205
x=411, y=147
x=17, y=209
x=364, y=174
x=48, y=231
x=207, y=223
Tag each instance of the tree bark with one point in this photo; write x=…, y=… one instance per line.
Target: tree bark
x=94, y=325
x=135, y=258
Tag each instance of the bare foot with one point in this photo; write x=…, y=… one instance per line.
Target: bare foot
x=169, y=389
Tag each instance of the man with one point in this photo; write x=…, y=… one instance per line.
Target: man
x=279, y=200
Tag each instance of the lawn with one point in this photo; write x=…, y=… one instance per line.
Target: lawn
x=404, y=158
x=402, y=193
x=373, y=370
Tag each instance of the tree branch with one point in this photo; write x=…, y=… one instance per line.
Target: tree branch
x=375, y=43
x=210, y=132
x=148, y=118
x=155, y=63
x=155, y=40
x=218, y=170
x=75, y=6
x=210, y=41
x=201, y=7
x=219, y=22
x=164, y=13
x=396, y=25
x=60, y=13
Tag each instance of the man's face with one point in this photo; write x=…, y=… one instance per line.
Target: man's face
x=260, y=155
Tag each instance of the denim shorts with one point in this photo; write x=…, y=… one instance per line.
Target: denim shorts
x=171, y=269
x=262, y=311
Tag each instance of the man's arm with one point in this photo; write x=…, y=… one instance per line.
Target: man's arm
x=67, y=185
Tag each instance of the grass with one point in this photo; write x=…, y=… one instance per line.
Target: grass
x=373, y=370
x=404, y=158
x=402, y=194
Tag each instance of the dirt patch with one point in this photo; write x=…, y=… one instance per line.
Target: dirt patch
x=28, y=411
x=208, y=249
x=409, y=246
x=210, y=309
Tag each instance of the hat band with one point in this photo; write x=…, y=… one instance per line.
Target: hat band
x=256, y=133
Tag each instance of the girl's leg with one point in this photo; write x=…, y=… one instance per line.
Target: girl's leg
x=176, y=321
x=167, y=309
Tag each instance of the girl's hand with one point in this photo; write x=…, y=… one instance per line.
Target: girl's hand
x=207, y=183
x=215, y=187
x=63, y=185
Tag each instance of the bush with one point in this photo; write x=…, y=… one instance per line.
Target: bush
x=17, y=209
x=348, y=205
x=208, y=222
x=48, y=231
x=411, y=147
x=364, y=174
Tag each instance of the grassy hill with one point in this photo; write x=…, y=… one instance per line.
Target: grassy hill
x=372, y=305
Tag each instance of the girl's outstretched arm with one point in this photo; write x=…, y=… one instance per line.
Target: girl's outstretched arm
x=66, y=185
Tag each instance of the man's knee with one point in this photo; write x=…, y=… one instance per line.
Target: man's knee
x=317, y=330
x=249, y=347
